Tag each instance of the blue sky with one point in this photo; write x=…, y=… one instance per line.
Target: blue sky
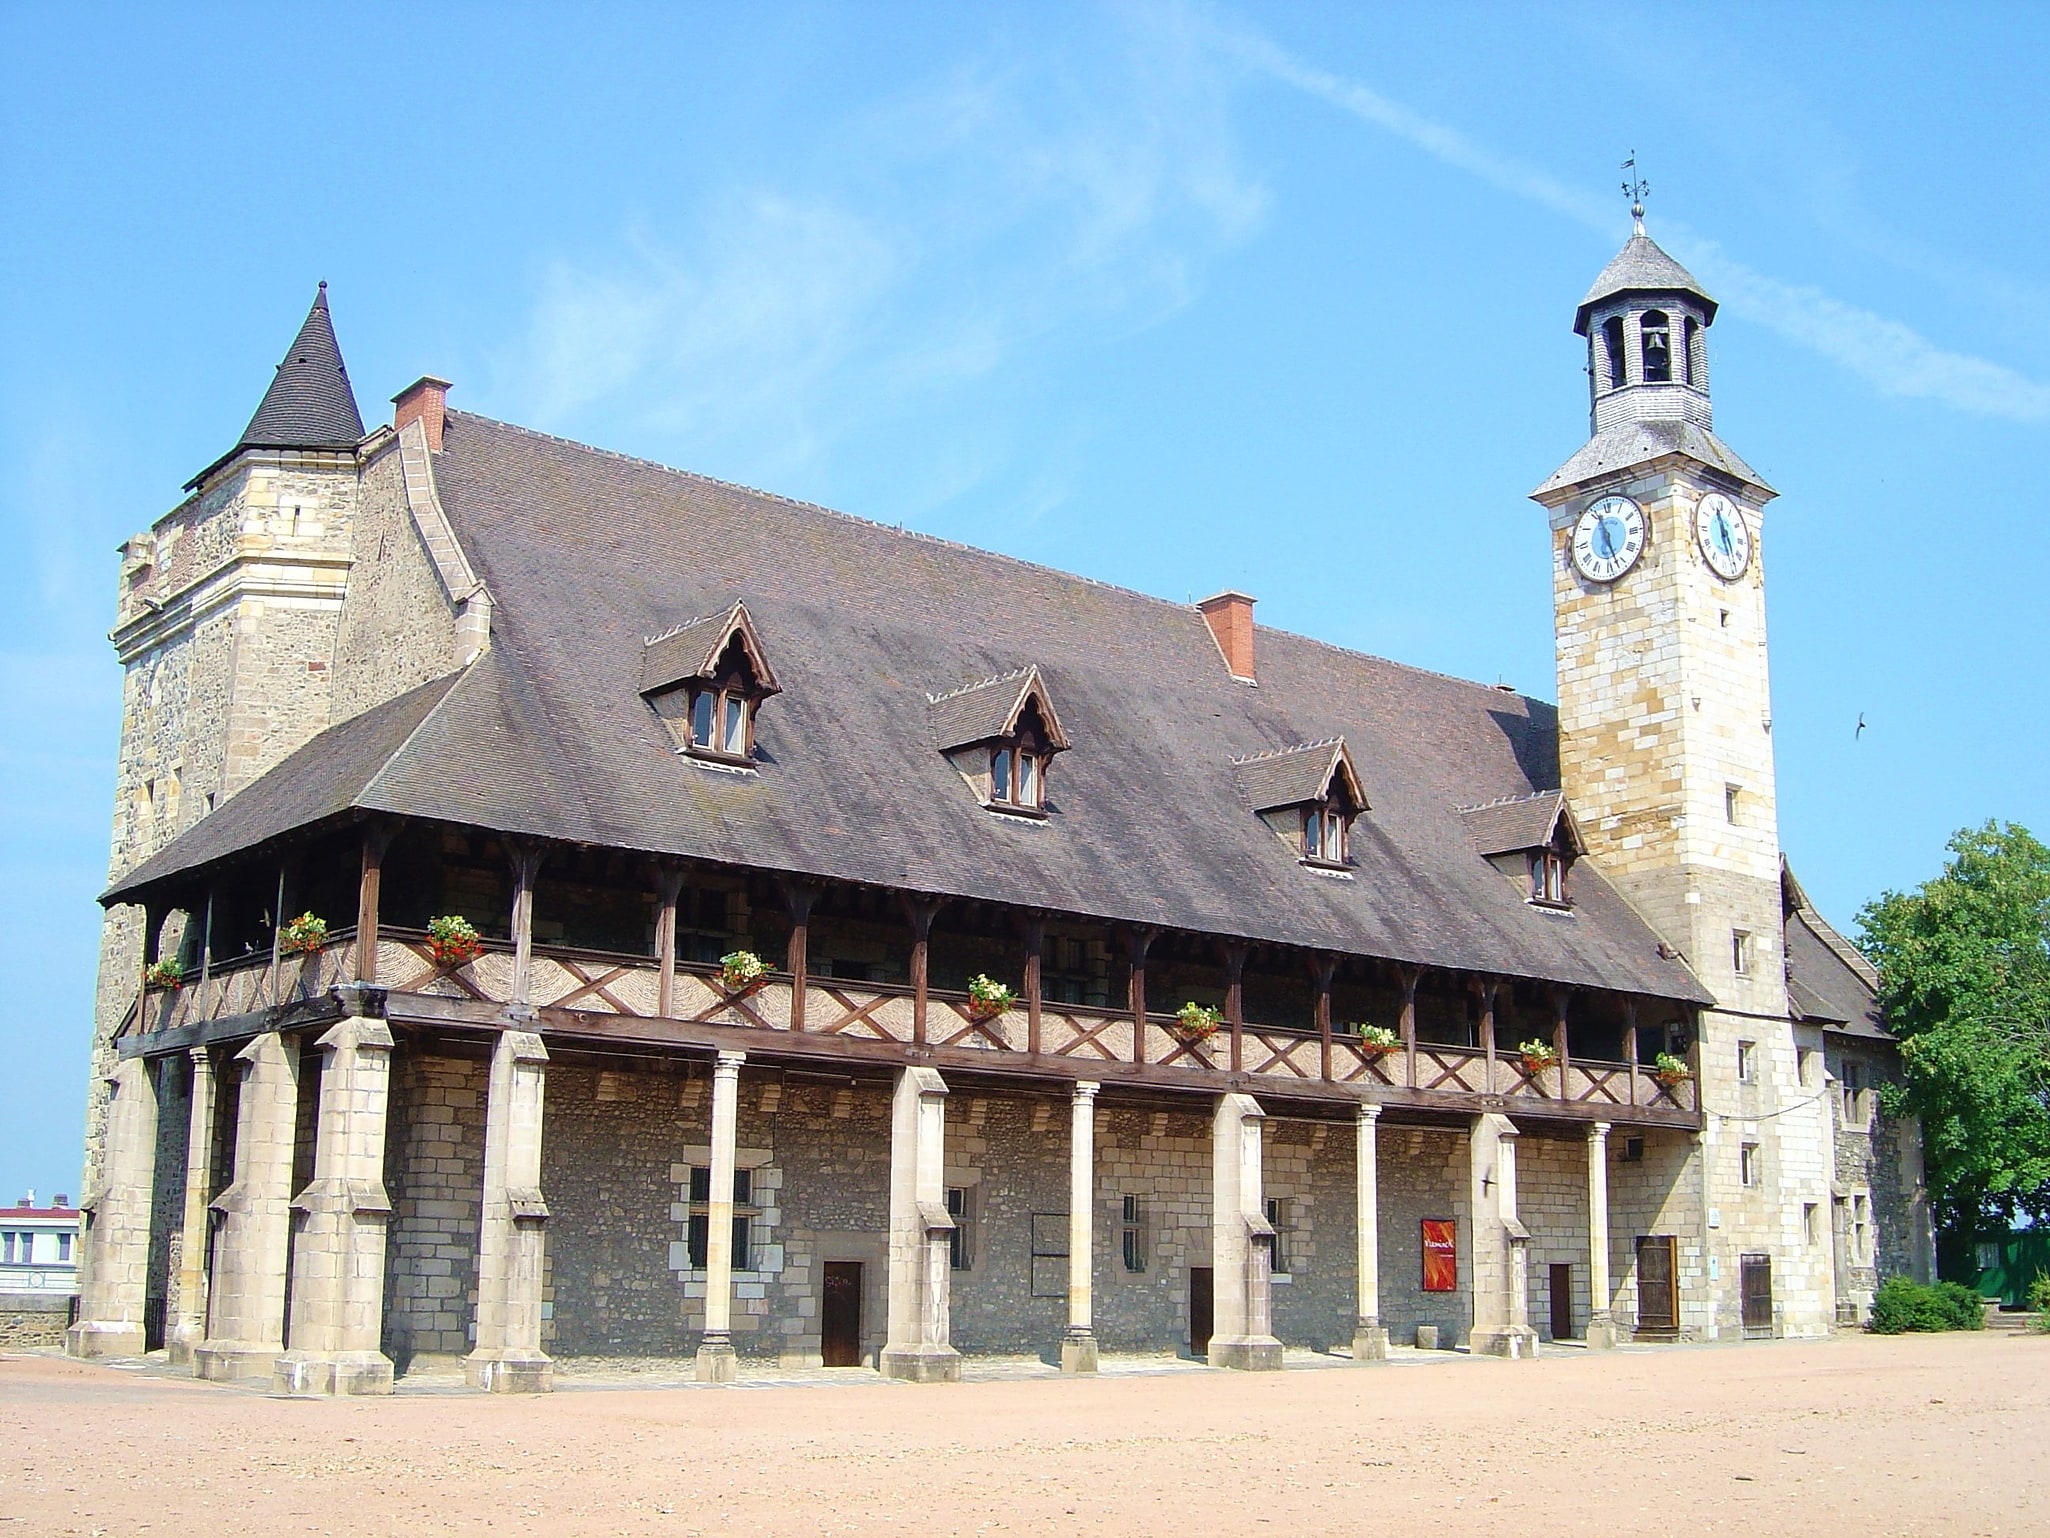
x=1179, y=296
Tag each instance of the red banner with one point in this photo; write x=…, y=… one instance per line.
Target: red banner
x=1441, y=1255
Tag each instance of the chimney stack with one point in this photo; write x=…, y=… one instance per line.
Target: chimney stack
x=424, y=400
x=1230, y=617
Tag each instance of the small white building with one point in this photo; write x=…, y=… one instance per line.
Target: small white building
x=39, y=1247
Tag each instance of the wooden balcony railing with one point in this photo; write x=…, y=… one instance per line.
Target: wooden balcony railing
x=600, y=983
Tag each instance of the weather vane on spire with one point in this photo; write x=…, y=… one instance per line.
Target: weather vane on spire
x=1636, y=189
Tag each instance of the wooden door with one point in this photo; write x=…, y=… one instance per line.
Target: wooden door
x=1658, y=1286
x=1757, y=1294
x=1200, y=1279
x=1562, y=1303
x=840, y=1314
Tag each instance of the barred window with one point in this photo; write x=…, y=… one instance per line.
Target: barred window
x=1134, y=1244
x=961, y=1243
x=698, y=1231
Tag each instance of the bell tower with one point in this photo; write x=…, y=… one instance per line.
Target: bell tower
x=1665, y=755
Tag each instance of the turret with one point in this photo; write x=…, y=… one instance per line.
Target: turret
x=1646, y=322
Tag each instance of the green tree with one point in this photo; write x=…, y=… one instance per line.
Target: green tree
x=1964, y=969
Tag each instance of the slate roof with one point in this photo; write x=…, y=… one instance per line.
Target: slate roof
x=1633, y=443
x=1514, y=824
x=586, y=554
x=1641, y=267
x=1292, y=776
x=989, y=708
x=1828, y=981
x=309, y=404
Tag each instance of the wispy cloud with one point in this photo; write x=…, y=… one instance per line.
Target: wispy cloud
x=1889, y=355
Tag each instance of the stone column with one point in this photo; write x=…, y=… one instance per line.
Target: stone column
x=246, y=1319
x=1369, y=1338
x=115, y=1273
x=338, y=1254
x=508, y=1358
x=1501, y=1244
x=1241, y=1241
x=188, y=1322
x=918, y=1348
x=716, y=1362
x=1601, y=1323
x=1078, y=1346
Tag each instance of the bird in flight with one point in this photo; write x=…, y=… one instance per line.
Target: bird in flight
x=1860, y=732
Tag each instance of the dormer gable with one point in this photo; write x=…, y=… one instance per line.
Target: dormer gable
x=705, y=678
x=1533, y=840
x=1308, y=795
x=1001, y=735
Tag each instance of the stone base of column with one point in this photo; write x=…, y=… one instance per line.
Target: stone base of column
x=1369, y=1343
x=228, y=1361
x=716, y=1362
x=509, y=1372
x=181, y=1346
x=1078, y=1351
x=1602, y=1334
x=1246, y=1353
x=304, y=1375
x=98, y=1337
x=921, y=1364
x=1516, y=1342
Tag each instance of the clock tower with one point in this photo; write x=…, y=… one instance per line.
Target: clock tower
x=1665, y=756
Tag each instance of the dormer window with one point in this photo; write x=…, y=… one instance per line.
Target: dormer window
x=706, y=679
x=1001, y=735
x=1309, y=796
x=1531, y=839
x=1548, y=877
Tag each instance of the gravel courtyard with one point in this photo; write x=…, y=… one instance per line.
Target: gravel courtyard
x=1932, y=1434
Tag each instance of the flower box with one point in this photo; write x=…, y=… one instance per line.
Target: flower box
x=303, y=936
x=741, y=970
x=163, y=977
x=1671, y=1071
x=1375, y=1041
x=1197, y=1022
x=1537, y=1056
x=453, y=940
x=988, y=998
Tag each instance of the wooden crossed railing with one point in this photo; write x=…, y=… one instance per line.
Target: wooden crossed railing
x=608, y=983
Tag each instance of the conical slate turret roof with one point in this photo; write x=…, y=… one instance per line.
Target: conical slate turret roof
x=309, y=404
x=1641, y=268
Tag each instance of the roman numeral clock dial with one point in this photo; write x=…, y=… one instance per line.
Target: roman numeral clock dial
x=1608, y=539
x=1724, y=537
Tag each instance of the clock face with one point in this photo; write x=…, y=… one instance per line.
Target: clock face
x=1724, y=537
x=1608, y=539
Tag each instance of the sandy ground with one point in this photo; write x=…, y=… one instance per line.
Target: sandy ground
x=1932, y=1434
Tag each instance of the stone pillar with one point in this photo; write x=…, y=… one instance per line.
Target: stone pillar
x=1369, y=1338
x=918, y=1349
x=508, y=1358
x=1241, y=1241
x=1078, y=1346
x=188, y=1322
x=246, y=1317
x=115, y=1274
x=1501, y=1244
x=338, y=1254
x=716, y=1362
x=1601, y=1323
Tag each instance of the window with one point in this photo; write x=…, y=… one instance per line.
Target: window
x=1049, y=1254
x=1017, y=777
x=1134, y=1234
x=1612, y=350
x=705, y=680
x=1733, y=801
x=1809, y=1224
x=721, y=720
x=1861, y=1228
x=63, y=1249
x=960, y=1243
x=1690, y=333
x=1656, y=335
x=1548, y=877
x=1740, y=952
x=1804, y=1059
x=6, y=1249
x=698, y=1233
x=1277, y=1219
x=1747, y=1062
x=1748, y=1164
x=1633, y=1150
x=1854, y=1095
x=1324, y=830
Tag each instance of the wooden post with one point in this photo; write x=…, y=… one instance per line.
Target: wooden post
x=1138, y=941
x=1630, y=1044
x=1032, y=926
x=920, y=911
x=277, y=932
x=1560, y=998
x=206, y=940
x=1235, y=999
x=1408, y=976
x=153, y=916
x=799, y=896
x=377, y=837
x=526, y=862
x=1487, y=987
x=1322, y=966
x=668, y=888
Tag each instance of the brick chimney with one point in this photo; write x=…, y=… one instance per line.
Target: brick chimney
x=425, y=400
x=1230, y=617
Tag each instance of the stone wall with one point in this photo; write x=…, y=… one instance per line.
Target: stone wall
x=1657, y=1193
x=1310, y=1180
x=1009, y=1156
x=167, y=1193
x=397, y=627
x=29, y=1323
x=434, y=1174
x=1423, y=1174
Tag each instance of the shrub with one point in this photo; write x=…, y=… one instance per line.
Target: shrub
x=1902, y=1307
x=2039, y=1302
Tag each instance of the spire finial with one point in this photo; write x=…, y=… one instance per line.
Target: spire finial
x=1636, y=189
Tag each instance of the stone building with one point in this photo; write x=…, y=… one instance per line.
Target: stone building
x=1130, y=977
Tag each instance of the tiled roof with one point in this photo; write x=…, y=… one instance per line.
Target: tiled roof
x=1641, y=268
x=587, y=554
x=1515, y=823
x=309, y=404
